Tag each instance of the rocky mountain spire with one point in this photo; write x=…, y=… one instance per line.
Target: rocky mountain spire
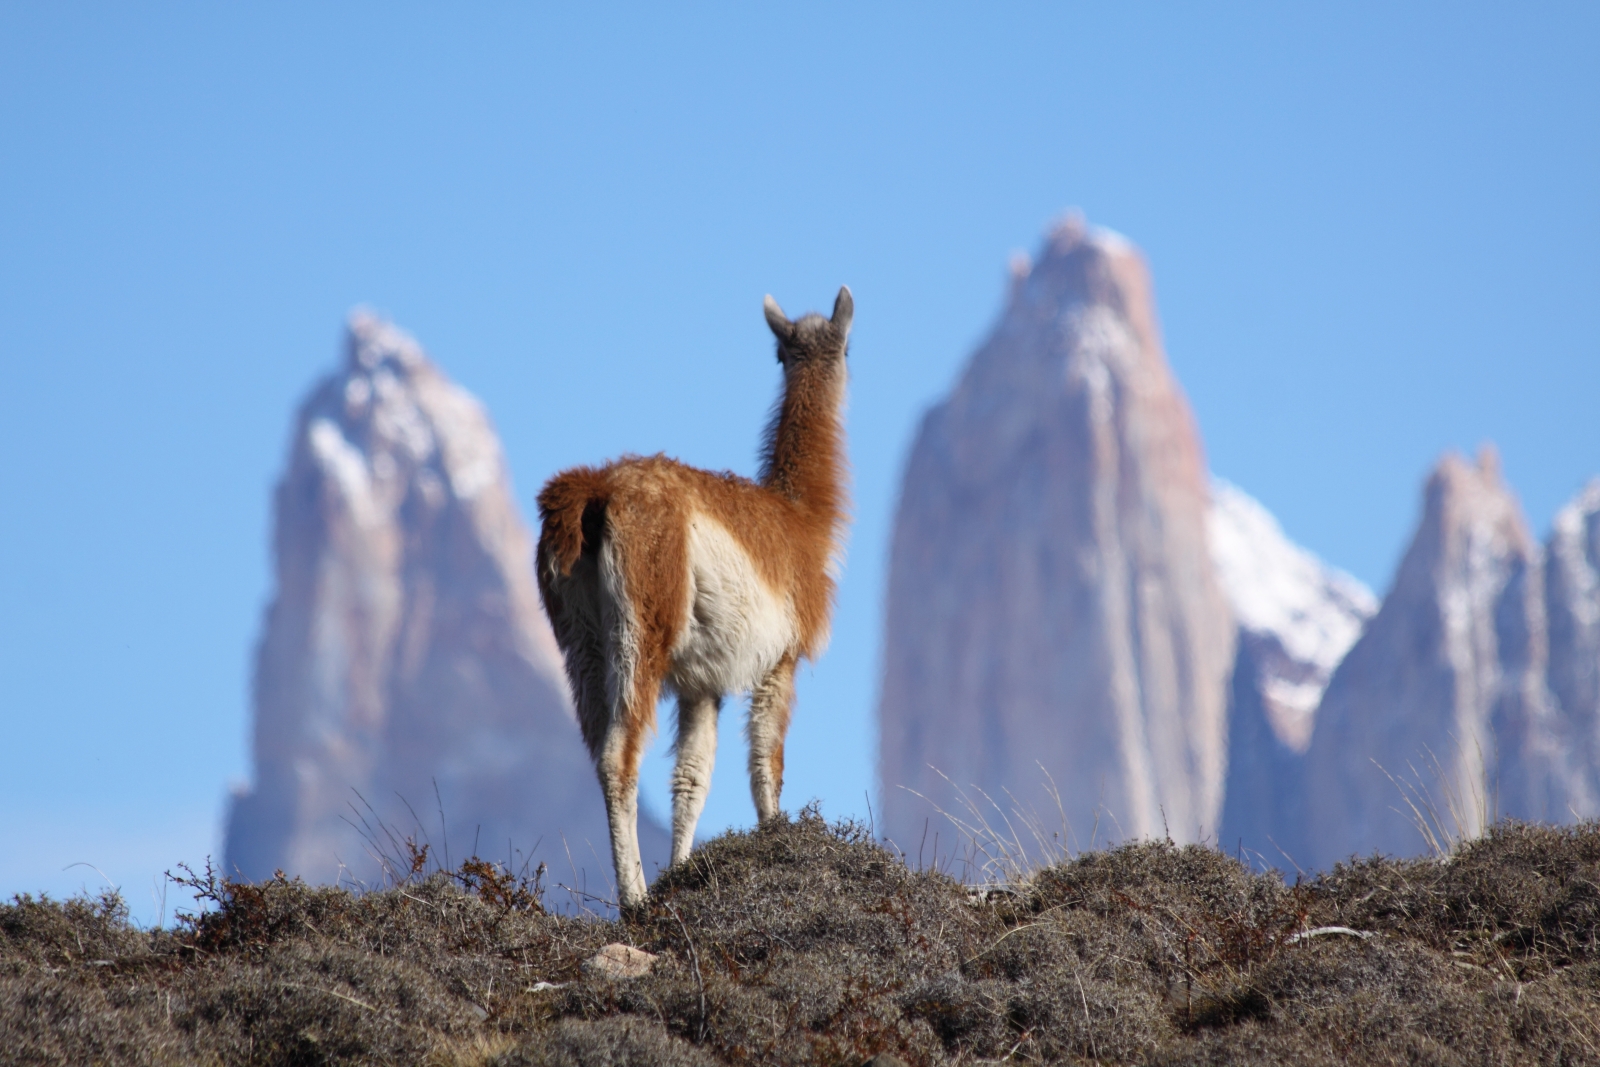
x=1442, y=704
x=1572, y=596
x=1053, y=614
x=404, y=648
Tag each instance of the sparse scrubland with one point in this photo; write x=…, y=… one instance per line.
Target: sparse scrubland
x=806, y=943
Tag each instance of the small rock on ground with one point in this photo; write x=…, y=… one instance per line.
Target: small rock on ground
x=617, y=960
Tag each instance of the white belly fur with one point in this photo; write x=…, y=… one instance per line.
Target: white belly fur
x=737, y=628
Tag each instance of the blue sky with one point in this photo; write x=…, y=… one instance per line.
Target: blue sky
x=1373, y=230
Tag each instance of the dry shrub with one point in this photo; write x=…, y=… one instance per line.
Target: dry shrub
x=40, y=931
x=619, y=1042
x=807, y=943
x=1523, y=896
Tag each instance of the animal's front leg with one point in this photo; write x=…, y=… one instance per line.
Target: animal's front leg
x=618, y=767
x=770, y=705
x=691, y=777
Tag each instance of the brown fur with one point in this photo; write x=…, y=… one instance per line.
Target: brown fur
x=789, y=523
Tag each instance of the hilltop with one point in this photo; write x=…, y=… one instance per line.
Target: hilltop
x=808, y=943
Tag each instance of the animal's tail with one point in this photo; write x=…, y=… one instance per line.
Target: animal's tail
x=572, y=515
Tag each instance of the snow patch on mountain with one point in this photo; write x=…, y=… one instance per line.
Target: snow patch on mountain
x=1299, y=614
x=1572, y=544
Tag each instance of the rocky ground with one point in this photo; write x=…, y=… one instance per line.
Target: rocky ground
x=806, y=943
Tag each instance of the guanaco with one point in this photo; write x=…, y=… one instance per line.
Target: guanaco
x=657, y=575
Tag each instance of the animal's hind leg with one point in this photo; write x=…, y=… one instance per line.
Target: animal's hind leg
x=691, y=776
x=770, y=706
x=618, y=767
x=614, y=738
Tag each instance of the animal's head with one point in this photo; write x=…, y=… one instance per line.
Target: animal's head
x=812, y=340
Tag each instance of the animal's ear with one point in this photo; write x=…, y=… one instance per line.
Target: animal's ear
x=776, y=319
x=844, y=309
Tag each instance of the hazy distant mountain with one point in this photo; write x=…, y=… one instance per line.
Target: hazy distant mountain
x=1297, y=617
x=1441, y=710
x=1071, y=606
x=1052, y=607
x=405, y=645
x=1572, y=595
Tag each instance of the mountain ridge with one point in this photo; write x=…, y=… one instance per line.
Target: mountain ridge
x=1044, y=599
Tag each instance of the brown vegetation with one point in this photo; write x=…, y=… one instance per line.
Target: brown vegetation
x=802, y=943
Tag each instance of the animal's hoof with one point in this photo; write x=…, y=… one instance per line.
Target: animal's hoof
x=617, y=960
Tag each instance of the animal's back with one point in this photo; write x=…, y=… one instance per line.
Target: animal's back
x=690, y=562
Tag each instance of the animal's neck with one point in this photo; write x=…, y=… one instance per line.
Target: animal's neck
x=803, y=458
